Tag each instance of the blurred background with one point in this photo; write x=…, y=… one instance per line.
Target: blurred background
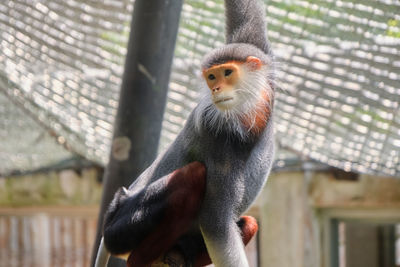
x=333, y=198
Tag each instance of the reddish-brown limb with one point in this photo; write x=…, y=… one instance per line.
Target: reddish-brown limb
x=186, y=187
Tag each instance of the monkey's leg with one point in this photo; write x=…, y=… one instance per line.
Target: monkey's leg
x=185, y=191
x=190, y=249
x=225, y=246
x=218, y=226
x=248, y=228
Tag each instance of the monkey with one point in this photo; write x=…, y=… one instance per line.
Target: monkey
x=192, y=197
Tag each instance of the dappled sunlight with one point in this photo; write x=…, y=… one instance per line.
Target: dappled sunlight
x=338, y=73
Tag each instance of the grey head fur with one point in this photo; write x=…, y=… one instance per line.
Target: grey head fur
x=234, y=52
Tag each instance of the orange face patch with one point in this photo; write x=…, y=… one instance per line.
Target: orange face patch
x=222, y=77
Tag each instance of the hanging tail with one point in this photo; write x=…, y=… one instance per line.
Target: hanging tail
x=102, y=255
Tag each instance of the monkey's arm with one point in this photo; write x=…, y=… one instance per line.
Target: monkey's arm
x=245, y=23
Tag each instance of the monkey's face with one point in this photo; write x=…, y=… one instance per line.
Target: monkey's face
x=225, y=81
x=222, y=79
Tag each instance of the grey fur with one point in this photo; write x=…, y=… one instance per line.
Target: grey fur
x=102, y=256
x=235, y=52
x=236, y=172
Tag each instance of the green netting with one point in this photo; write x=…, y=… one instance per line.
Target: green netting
x=339, y=75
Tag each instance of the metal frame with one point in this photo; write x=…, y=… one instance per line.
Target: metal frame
x=143, y=94
x=330, y=218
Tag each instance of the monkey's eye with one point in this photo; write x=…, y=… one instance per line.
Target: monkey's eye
x=211, y=77
x=228, y=72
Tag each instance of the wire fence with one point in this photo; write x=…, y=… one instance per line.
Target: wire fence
x=61, y=65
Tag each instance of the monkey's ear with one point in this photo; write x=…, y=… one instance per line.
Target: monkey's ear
x=254, y=62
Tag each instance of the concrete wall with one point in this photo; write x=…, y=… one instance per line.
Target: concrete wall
x=296, y=209
x=66, y=187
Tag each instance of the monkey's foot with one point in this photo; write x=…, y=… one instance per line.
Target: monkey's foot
x=172, y=258
x=159, y=264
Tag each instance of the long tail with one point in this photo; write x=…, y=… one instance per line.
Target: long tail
x=102, y=255
x=245, y=23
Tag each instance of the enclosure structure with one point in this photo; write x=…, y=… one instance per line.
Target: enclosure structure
x=337, y=104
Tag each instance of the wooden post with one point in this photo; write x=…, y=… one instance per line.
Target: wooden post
x=288, y=231
x=142, y=99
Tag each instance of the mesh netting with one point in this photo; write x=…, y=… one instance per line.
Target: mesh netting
x=339, y=78
x=62, y=61
x=341, y=72
x=25, y=145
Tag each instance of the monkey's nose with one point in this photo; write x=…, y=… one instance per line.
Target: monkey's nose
x=216, y=89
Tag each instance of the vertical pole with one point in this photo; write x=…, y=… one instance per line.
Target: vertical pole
x=142, y=101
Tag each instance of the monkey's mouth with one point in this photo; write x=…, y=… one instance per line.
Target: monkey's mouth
x=223, y=100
